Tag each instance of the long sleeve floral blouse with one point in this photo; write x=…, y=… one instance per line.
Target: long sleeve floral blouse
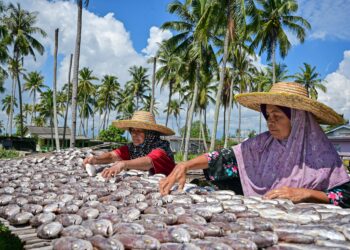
x=223, y=172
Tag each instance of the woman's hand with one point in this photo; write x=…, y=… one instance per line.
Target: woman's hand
x=296, y=195
x=177, y=175
x=114, y=170
x=89, y=160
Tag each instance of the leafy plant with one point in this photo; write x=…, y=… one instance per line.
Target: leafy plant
x=8, y=154
x=9, y=241
x=112, y=134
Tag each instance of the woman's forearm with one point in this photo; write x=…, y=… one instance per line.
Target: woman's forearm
x=200, y=162
x=106, y=158
x=317, y=196
x=142, y=163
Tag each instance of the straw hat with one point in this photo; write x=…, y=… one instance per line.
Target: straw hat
x=143, y=120
x=292, y=95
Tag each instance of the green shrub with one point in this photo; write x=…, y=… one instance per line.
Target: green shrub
x=9, y=241
x=8, y=153
x=178, y=156
x=112, y=134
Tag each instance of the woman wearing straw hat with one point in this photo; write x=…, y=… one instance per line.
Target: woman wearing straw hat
x=293, y=160
x=146, y=152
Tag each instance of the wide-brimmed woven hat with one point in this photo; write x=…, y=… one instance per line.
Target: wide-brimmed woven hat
x=292, y=95
x=143, y=120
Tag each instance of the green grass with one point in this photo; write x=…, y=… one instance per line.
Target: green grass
x=8, y=154
x=9, y=241
x=178, y=156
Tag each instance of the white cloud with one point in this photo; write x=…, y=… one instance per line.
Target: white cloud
x=105, y=46
x=328, y=18
x=338, y=87
x=157, y=35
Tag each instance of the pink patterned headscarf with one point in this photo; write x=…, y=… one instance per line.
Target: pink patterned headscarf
x=307, y=159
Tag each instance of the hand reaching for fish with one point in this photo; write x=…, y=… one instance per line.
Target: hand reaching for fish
x=89, y=160
x=296, y=195
x=113, y=170
x=177, y=175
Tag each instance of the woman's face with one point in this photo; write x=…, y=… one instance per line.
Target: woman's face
x=277, y=122
x=137, y=136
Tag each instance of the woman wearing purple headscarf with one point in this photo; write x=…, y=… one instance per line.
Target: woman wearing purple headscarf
x=293, y=160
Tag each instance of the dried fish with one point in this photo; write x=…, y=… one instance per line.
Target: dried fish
x=77, y=231
x=69, y=243
x=50, y=230
x=128, y=228
x=101, y=243
x=100, y=226
x=134, y=241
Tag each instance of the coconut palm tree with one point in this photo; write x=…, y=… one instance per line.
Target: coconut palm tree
x=85, y=90
x=4, y=40
x=168, y=73
x=45, y=109
x=107, y=92
x=34, y=83
x=244, y=71
x=138, y=86
x=192, y=42
x=262, y=82
x=270, y=23
x=148, y=103
x=67, y=89
x=175, y=109
x=309, y=77
x=281, y=73
x=1, y=127
x=7, y=104
x=27, y=109
x=76, y=70
x=230, y=18
x=22, y=32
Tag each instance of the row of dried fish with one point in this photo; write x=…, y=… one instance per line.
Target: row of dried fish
x=59, y=198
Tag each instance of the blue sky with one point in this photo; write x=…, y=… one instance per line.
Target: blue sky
x=118, y=34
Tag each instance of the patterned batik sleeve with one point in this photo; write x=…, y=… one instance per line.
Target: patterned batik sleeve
x=222, y=165
x=340, y=195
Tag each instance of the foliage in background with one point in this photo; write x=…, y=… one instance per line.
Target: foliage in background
x=195, y=130
x=8, y=154
x=178, y=156
x=9, y=241
x=112, y=134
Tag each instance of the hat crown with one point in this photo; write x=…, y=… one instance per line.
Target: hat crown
x=289, y=88
x=143, y=116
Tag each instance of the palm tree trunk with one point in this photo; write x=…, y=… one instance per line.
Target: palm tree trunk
x=33, y=108
x=220, y=87
x=57, y=140
x=202, y=131
x=153, y=83
x=67, y=102
x=190, y=115
x=20, y=105
x=239, y=123
x=93, y=126
x=75, y=73
x=51, y=125
x=185, y=130
x=274, y=62
x=12, y=103
x=169, y=99
x=224, y=123
x=87, y=126
x=227, y=133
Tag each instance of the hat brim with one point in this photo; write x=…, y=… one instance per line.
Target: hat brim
x=127, y=124
x=322, y=113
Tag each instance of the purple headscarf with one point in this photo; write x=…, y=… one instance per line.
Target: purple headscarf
x=307, y=159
